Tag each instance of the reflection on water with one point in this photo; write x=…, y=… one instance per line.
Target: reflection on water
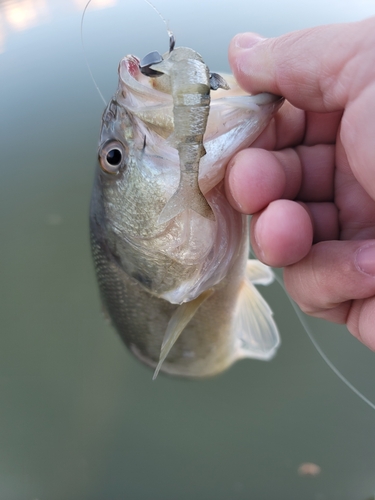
x=25, y=14
x=19, y=15
x=96, y=4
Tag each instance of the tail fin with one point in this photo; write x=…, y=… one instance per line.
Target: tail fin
x=188, y=195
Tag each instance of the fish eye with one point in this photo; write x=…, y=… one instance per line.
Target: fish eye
x=112, y=157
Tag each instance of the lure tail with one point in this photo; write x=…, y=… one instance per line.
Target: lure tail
x=188, y=195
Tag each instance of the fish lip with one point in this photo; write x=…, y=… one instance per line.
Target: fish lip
x=131, y=77
x=132, y=65
x=132, y=81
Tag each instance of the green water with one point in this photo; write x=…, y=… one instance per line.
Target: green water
x=80, y=418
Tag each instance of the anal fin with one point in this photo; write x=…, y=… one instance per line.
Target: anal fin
x=258, y=273
x=177, y=323
x=255, y=328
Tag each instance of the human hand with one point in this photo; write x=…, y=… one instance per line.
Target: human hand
x=309, y=179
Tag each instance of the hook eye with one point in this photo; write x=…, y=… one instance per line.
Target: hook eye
x=112, y=157
x=148, y=61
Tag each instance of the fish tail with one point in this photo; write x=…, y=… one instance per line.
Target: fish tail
x=188, y=195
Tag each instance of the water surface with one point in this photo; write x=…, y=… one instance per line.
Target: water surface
x=80, y=417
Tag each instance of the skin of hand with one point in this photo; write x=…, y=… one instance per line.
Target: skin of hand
x=309, y=179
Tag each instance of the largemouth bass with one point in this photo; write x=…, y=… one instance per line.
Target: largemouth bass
x=171, y=254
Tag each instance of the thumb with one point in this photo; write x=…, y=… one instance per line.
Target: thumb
x=313, y=68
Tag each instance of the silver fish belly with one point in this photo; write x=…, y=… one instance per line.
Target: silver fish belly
x=171, y=254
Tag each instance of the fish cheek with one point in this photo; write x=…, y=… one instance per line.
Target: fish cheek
x=131, y=263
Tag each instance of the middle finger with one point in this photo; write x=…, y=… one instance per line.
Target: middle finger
x=256, y=177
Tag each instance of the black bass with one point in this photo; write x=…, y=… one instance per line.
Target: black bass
x=171, y=254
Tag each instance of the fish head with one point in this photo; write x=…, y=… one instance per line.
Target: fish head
x=138, y=172
x=135, y=176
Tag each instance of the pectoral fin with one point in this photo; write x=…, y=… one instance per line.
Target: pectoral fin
x=256, y=331
x=177, y=323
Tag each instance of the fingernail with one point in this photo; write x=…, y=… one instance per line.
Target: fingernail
x=247, y=40
x=365, y=259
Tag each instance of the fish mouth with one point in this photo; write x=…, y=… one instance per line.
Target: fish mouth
x=133, y=66
x=131, y=75
x=235, y=120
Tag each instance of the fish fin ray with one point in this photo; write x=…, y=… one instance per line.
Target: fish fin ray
x=180, y=318
x=258, y=273
x=186, y=196
x=256, y=331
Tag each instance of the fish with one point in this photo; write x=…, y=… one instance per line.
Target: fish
x=170, y=252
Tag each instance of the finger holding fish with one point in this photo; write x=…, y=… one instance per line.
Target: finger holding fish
x=260, y=182
x=276, y=241
x=335, y=152
x=277, y=166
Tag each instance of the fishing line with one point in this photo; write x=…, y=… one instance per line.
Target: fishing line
x=278, y=279
x=319, y=349
x=170, y=34
x=85, y=56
